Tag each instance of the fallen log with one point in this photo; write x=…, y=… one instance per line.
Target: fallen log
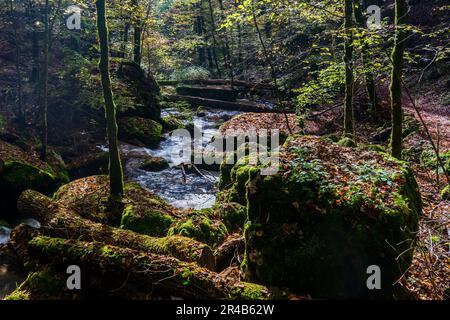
x=222, y=93
x=59, y=221
x=239, y=105
x=218, y=82
x=120, y=268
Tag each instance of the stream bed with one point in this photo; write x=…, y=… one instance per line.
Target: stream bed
x=182, y=191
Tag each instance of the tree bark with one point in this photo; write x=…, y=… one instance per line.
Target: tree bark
x=44, y=89
x=19, y=111
x=368, y=75
x=115, y=165
x=401, y=10
x=213, y=34
x=58, y=221
x=348, y=60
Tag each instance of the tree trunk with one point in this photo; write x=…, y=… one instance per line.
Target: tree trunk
x=115, y=165
x=19, y=113
x=401, y=10
x=368, y=75
x=44, y=89
x=123, y=46
x=213, y=33
x=58, y=221
x=348, y=60
x=118, y=268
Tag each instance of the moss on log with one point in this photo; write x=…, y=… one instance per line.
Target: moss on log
x=120, y=268
x=60, y=221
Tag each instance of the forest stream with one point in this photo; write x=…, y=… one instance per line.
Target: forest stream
x=192, y=191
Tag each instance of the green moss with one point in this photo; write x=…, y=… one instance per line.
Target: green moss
x=445, y=193
x=323, y=213
x=38, y=285
x=249, y=291
x=19, y=176
x=428, y=159
x=233, y=215
x=145, y=131
x=375, y=148
x=155, y=164
x=347, y=142
x=201, y=227
x=171, y=123
x=153, y=223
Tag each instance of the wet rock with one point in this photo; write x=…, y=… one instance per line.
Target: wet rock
x=136, y=130
x=155, y=164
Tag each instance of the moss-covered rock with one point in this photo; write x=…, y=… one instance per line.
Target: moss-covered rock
x=347, y=142
x=150, y=222
x=375, y=148
x=155, y=164
x=326, y=216
x=89, y=197
x=18, y=176
x=172, y=122
x=143, y=87
x=200, y=225
x=233, y=215
x=136, y=130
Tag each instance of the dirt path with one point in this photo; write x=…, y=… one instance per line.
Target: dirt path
x=436, y=115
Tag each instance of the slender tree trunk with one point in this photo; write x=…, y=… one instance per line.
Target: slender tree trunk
x=401, y=10
x=19, y=110
x=123, y=45
x=115, y=165
x=44, y=88
x=368, y=75
x=226, y=49
x=137, y=38
x=348, y=60
x=213, y=34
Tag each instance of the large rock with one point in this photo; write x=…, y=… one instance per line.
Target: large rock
x=140, y=211
x=136, y=130
x=325, y=217
x=144, y=88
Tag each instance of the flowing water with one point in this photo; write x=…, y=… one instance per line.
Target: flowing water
x=182, y=191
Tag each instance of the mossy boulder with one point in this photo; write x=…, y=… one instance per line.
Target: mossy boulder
x=155, y=164
x=19, y=176
x=200, y=225
x=89, y=197
x=347, y=142
x=233, y=215
x=172, y=122
x=142, y=87
x=149, y=222
x=136, y=130
x=326, y=216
